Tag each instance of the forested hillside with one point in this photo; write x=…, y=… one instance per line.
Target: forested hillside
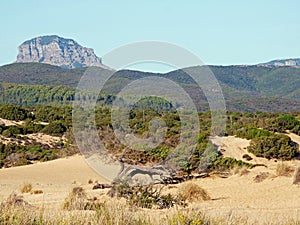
x=246, y=88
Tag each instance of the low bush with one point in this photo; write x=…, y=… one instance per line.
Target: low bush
x=144, y=196
x=250, y=133
x=227, y=163
x=277, y=146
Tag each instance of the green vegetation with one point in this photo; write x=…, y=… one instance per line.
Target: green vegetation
x=145, y=196
x=258, y=127
x=250, y=133
x=276, y=146
x=246, y=88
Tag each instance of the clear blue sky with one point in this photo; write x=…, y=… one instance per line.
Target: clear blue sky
x=218, y=31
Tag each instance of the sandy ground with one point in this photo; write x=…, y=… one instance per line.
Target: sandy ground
x=11, y=122
x=56, y=178
x=275, y=200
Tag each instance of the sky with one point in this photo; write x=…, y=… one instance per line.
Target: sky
x=219, y=32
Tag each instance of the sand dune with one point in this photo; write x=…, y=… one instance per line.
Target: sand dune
x=274, y=200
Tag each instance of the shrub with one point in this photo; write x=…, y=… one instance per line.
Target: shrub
x=144, y=196
x=55, y=128
x=227, y=163
x=276, y=146
x=250, y=133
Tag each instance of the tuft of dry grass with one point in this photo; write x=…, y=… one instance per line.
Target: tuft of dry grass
x=193, y=192
x=261, y=177
x=90, y=181
x=283, y=169
x=75, y=200
x=239, y=170
x=27, y=188
x=13, y=201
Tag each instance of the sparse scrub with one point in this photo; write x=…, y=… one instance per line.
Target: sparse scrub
x=78, y=200
x=144, y=196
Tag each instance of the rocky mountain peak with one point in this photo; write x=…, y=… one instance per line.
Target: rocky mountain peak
x=283, y=62
x=57, y=51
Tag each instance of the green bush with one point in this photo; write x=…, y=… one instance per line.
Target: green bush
x=277, y=146
x=251, y=132
x=227, y=163
x=55, y=128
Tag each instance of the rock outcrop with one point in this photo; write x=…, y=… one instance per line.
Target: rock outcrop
x=283, y=62
x=57, y=51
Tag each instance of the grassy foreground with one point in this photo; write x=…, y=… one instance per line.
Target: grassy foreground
x=16, y=211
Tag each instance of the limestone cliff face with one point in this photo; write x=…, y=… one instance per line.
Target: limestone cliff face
x=57, y=51
x=283, y=62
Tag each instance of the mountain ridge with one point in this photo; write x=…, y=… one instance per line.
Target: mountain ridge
x=245, y=88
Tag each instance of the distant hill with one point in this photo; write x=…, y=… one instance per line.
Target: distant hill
x=246, y=88
x=57, y=51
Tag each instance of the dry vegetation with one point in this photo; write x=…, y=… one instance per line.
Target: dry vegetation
x=193, y=192
x=26, y=188
x=284, y=170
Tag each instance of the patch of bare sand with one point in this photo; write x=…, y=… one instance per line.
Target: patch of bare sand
x=56, y=178
x=11, y=122
x=234, y=147
x=42, y=138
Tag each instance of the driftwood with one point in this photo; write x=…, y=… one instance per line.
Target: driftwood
x=154, y=175
x=172, y=180
x=101, y=186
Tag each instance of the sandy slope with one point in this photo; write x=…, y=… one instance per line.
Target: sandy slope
x=274, y=200
x=56, y=178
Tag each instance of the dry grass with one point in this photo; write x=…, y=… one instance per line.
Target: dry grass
x=14, y=201
x=193, y=192
x=261, y=177
x=27, y=188
x=239, y=170
x=108, y=213
x=283, y=169
x=75, y=200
